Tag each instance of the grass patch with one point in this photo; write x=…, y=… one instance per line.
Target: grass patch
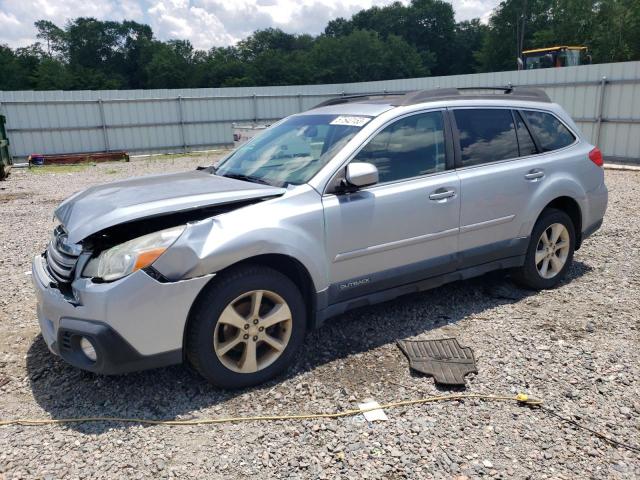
x=173, y=156
x=61, y=168
x=8, y=197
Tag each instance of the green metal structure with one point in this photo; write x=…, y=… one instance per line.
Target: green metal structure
x=5, y=156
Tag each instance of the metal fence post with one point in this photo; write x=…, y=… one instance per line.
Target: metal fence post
x=255, y=108
x=103, y=123
x=600, y=107
x=299, y=102
x=183, y=136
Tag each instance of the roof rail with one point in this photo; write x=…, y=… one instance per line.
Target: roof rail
x=515, y=93
x=358, y=97
x=422, y=96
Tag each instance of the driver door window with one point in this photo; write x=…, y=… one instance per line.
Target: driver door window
x=411, y=147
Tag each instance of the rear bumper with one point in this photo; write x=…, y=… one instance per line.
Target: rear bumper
x=134, y=323
x=597, y=206
x=591, y=229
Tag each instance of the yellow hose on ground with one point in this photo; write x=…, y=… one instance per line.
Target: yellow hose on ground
x=521, y=398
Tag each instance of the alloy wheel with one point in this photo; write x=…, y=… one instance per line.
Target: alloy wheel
x=252, y=331
x=552, y=250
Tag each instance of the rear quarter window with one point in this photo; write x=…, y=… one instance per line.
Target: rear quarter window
x=485, y=135
x=550, y=132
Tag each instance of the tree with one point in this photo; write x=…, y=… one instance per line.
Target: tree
x=395, y=41
x=431, y=27
x=171, y=65
x=568, y=22
x=610, y=28
x=511, y=29
x=221, y=67
x=402, y=60
x=338, y=27
x=14, y=76
x=51, y=74
x=468, y=40
x=363, y=56
x=616, y=29
x=427, y=25
x=52, y=35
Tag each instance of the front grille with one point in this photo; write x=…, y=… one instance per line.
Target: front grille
x=61, y=260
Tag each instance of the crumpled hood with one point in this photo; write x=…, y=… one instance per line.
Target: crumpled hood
x=103, y=206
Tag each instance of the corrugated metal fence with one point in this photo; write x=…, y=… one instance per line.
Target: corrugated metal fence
x=604, y=100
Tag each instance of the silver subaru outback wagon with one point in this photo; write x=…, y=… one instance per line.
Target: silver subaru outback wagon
x=356, y=201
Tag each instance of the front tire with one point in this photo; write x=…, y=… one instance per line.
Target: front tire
x=246, y=327
x=550, y=251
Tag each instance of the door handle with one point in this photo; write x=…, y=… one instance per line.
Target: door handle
x=441, y=194
x=534, y=174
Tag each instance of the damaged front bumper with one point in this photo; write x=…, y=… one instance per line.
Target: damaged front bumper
x=133, y=323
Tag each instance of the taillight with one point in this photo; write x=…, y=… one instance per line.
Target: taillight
x=595, y=156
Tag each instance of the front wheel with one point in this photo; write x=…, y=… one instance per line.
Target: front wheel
x=246, y=327
x=550, y=251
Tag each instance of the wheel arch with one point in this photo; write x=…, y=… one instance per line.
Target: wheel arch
x=293, y=269
x=284, y=264
x=572, y=208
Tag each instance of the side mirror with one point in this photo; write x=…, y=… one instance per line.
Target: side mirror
x=361, y=174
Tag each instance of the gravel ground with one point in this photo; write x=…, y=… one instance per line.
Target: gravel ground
x=576, y=347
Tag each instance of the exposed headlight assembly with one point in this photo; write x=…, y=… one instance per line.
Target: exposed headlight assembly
x=126, y=258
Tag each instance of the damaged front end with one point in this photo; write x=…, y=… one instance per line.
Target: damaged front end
x=125, y=248
x=111, y=230
x=131, y=244
x=101, y=304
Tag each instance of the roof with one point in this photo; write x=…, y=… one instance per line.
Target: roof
x=551, y=49
x=390, y=99
x=372, y=109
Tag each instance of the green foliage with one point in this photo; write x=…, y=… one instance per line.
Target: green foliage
x=363, y=56
x=610, y=28
x=13, y=74
x=617, y=30
x=170, y=65
x=468, y=39
x=396, y=41
x=426, y=25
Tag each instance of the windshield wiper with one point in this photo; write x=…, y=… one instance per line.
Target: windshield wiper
x=246, y=178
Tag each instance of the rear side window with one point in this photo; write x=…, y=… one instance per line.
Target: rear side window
x=548, y=130
x=525, y=142
x=486, y=135
x=411, y=147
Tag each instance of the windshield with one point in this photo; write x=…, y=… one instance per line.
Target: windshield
x=293, y=151
x=570, y=58
x=556, y=58
x=541, y=60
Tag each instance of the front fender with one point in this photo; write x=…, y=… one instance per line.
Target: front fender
x=292, y=225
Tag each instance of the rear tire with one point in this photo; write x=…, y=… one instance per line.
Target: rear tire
x=550, y=252
x=246, y=327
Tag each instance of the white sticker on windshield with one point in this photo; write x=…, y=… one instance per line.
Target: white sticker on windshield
x=350, y=121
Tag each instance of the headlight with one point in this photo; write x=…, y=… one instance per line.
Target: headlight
x=126, y=258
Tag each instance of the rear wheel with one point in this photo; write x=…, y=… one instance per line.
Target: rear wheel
x=246, y=327
x=550, y=251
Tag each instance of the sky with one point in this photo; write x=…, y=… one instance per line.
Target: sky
x=206, y=23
